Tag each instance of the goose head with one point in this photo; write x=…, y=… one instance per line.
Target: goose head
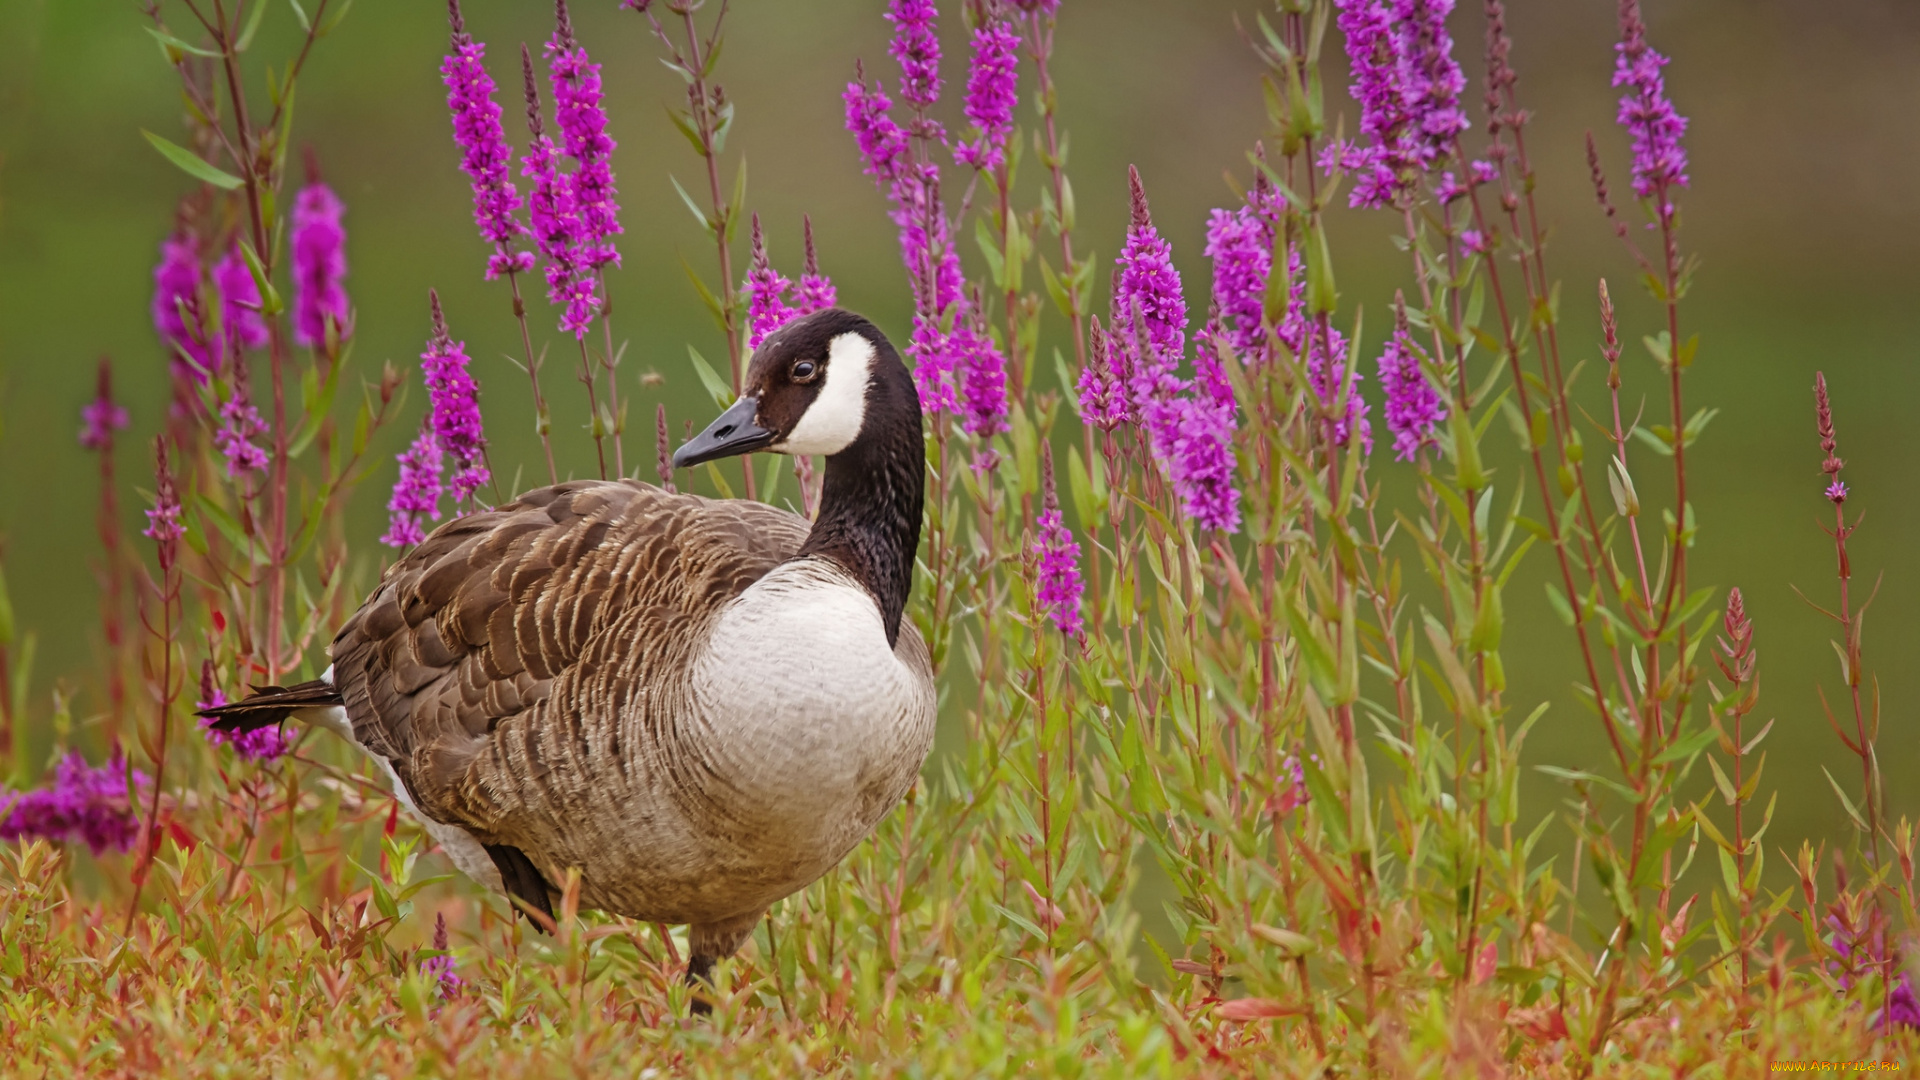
x=823, y=384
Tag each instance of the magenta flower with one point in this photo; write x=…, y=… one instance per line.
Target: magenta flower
x=240, y=320
x=1149, y=311
x=102, y=416
x=557, y=230
x=1200, y=459
x=415, y=502
x=82, y=805
x=1414, y=407
x=1659, y=161
x=484, y=154
x=1408, y=87
x=1057, y=557
x=815, y=291
x=1102, y=385
x=916, y=45
x=1325, y=351
x=992, y=80
x=440, y=968
x=767, y=308
x=240, y=424
x=983, y=380
x=1240, y=243
x=582, y=121
x=931, y=349
x=1432, y=82
x=163, y=520
x=319, y=265
x=261, y=744
x=883, y=144
x=177, y=314
x=454, y=417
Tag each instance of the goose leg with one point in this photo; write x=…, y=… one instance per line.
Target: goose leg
x=709, y=943
x=522, y=879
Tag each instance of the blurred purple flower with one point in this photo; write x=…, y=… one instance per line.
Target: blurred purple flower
x=102, y=416
x=240, y=319
x=484, y=154
x=1473, y=241
x=1414, y=407
x=163, y=521
x=82, y=805
x=319, y=265
x=767, y=308
x=555, y=222
x=1057, y=557
x=815, y=291
x=916, y=45
x=992, y=81
x=1659, y=161
x=455, y=413
x=177, y=314
x=440, y=968
x=416, y=494
x=582, y=121
x=1836, y=492
x=240, y=424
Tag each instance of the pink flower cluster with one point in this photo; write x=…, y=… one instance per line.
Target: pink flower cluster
x=83, y=805
x=452, y=430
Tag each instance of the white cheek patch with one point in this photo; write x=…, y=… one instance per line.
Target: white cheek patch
x=834, y=419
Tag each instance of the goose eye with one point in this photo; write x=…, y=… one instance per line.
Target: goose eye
x=803, y=371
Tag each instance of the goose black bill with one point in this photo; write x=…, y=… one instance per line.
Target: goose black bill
x=732, y=432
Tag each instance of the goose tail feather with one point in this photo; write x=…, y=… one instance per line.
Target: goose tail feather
x=270, y=705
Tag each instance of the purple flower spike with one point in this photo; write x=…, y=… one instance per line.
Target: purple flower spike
x=102, y=416
x=1414, y=406
x=440, y=968
x=815, y=291
x=1659, y=161
x=1433, y=80
x=1326, y=362
x=883, y=144
x=416, y=494
x=455, y=416
x=82, y=805
x=1149, y=309
x=240, y=317
x=1057, y=555
x=163, y=521
x=1102, y=385
x=240, y=424
x=991, y=95
x=1240, y=243
x=983, y=380
x=582, y=121
x=767, y=308
x=177, y=314
x=555, y=223
x=1200, y=460
x=916, y=45
x=319, y=265
x=484, y=154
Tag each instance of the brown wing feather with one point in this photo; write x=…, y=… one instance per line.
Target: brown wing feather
x=481, y=621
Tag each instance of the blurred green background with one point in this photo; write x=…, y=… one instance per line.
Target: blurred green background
x=1804, y=150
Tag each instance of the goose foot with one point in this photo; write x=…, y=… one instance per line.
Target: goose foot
x=707, y=944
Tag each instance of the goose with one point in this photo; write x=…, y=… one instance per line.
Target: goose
x=701, y=704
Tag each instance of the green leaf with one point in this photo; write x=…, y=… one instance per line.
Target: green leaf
x=6, y=616
x=169, y=42
x=192, y=164
x=253, y=26
x=1684, y=749
x=717, y=386
x=270, y=302
x=300, y=13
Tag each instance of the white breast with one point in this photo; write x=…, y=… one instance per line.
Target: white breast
x=806, y=714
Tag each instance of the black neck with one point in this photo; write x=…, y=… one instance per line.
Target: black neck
x=871, y=498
